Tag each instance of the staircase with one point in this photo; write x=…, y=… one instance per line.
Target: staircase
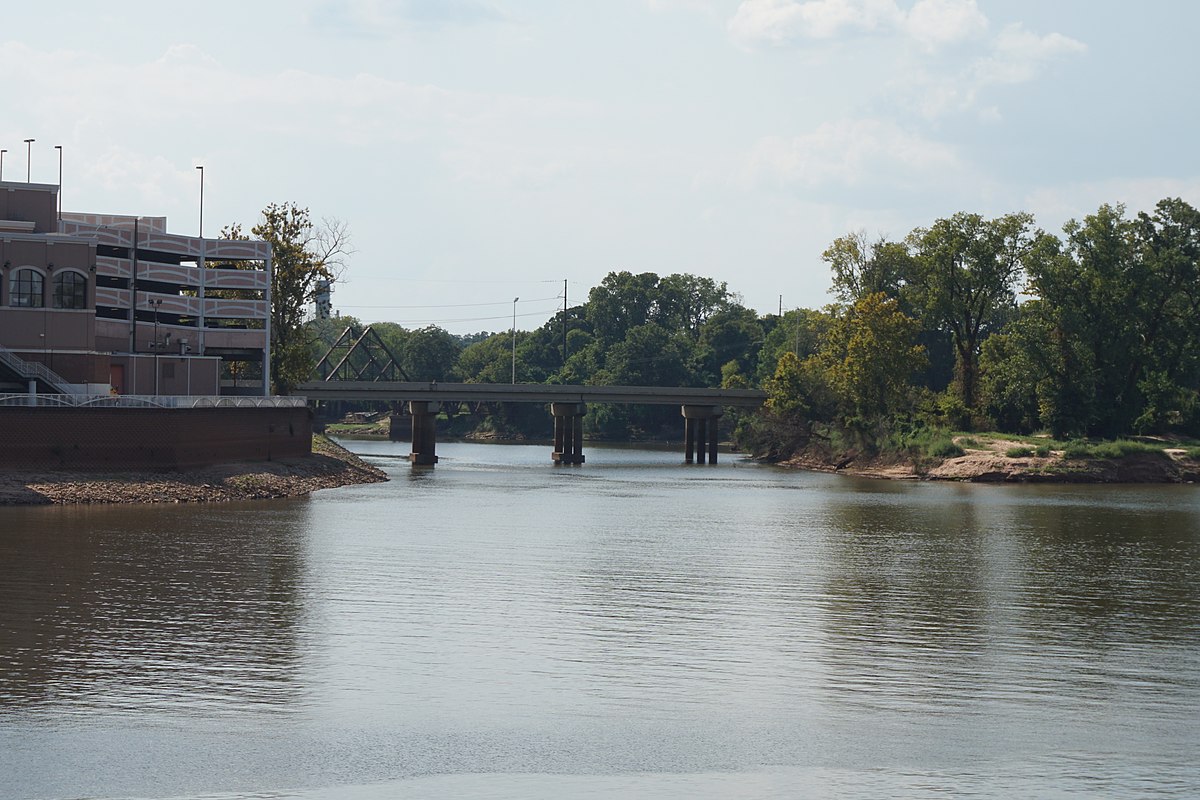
x=14, y=368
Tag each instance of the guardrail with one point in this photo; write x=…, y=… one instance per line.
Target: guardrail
x=147, y=401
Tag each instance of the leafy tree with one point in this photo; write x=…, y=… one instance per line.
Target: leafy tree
x=862, y=267
x=869, y=356
x=429, y=354
x=302, y=254
x=966, y=271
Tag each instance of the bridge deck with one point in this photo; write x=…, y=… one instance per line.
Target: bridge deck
x=528, y=393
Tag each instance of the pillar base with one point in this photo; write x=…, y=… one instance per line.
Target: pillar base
x=568, y=458
x=422, y=459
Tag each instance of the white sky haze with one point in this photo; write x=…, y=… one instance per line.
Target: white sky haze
x=482, y=149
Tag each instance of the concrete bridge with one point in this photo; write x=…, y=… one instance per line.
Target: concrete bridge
x=701, y=408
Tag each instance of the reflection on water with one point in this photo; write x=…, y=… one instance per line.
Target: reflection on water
x=117, y=610
x=500, y=627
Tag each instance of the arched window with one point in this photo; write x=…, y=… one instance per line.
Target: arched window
x=26, y=291
x=70, y=290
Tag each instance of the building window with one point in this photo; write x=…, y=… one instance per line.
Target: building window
x=70, y=290
x=26, y=291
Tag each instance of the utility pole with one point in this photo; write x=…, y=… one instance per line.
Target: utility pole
x=514, y=343
x=28, y=157
x=564, y=322
x=2, y=152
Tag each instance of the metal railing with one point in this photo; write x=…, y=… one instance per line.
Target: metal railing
x=147, y=401
x=32, y=369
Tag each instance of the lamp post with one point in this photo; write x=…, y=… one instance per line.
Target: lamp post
x=28, y=157
x=201, y=201
x=2, y=152
x=157, y=303
x=58, y=147
x=514, y=338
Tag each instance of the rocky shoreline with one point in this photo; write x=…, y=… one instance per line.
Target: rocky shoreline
x=328, y=467
x=988, y=462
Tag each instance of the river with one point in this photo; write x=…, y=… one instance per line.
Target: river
x=497, y=627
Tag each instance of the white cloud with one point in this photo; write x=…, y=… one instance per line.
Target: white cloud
x=780, y=22
x=1018, y=55
x=934, y=23
x=929, y=73
x=383, y=18
x=851, y=154
x=930, y=23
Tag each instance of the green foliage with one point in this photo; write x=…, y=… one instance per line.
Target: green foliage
x=1019, y=452
x=966, y=273
x=1119, y=448
x=302, y=254
x=868, y=357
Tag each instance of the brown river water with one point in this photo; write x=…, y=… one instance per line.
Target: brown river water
x=498, y=627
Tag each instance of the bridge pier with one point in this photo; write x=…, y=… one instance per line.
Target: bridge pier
x=568, y=432
x=700, y=433
x=424, y=431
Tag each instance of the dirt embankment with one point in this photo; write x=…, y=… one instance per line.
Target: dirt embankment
x=988, y=461
x=329, y=466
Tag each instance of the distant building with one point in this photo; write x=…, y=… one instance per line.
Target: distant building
x=116, y=304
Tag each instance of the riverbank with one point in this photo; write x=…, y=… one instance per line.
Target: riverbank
x=986, y=460
x=328, y=467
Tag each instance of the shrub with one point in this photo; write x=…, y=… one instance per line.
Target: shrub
x=942, y=445
x=1043, y=451
x=1019, y=452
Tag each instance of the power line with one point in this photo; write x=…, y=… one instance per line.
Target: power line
x=463, y=305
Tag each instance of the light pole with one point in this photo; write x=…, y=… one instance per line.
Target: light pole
x=157, y=304
x=58, y=147
x=514, y=337
x=28, y=156
x=2, y=152
x=201, y=201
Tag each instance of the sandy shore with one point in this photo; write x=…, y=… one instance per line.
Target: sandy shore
x=985, y=461
x=329, y=466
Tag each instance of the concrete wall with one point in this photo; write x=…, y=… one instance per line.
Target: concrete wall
x=137, y=438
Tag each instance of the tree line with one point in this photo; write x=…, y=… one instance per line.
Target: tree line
x=970, y=323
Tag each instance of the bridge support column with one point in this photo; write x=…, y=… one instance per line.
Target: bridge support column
x=424, y=432
x=568, y=432
x=700, y=433
x=395, y=427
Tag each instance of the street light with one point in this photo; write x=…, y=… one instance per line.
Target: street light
x=157, y=303
x=2, y=152
x=58, y=147
x=514, y=334
x=28, y=157
x=201, y=201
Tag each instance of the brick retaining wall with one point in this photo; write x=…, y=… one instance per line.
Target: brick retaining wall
x=137, y=438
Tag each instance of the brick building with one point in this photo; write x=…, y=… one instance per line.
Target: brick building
x=116, y=304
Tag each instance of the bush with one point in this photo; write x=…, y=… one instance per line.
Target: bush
x=1043, y=451
x=942, y=445
x=1193, y=453
x=1121, y=448
x=1019, y=452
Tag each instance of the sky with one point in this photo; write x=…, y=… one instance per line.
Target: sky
x=483, y=150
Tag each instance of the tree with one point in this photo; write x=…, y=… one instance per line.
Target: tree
x=869, y=357
x=302, y=254
x=861, y=267
x=966, y=271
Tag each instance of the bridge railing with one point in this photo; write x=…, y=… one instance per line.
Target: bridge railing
x=147, y=401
